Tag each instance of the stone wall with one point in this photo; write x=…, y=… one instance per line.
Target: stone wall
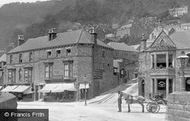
x=178, y=106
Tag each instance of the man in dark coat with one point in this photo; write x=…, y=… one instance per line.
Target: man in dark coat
x=119, y=100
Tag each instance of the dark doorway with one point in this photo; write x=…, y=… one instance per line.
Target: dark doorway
x=187, y=84
x=161, y=86
x=170, y=85
x=142, y=88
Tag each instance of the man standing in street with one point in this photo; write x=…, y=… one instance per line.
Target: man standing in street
x=119, y=100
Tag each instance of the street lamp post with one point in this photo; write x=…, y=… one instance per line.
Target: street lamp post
x=85, y=83
x=183, y=60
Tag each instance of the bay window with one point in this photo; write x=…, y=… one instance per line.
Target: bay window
x=153, y=61
x=161, y=61
x=170, y=60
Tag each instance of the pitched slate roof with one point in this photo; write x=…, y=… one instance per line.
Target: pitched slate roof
x=181, y=39
x=3, y=58
x=66, y=38
x=121, y=46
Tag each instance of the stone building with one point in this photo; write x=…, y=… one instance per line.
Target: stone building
x=124, y=31
x=61, y=65
x=159, y=69
x=126, y=60
x=176, y=12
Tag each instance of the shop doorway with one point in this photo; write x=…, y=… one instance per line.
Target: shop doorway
x=161, y=87
x=143, y=87
x=170, y=85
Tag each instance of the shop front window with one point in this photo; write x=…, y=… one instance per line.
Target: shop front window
x=28, y=75
x=170, y=85
x=11, y=76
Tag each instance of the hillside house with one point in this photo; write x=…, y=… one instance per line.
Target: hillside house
x=176, y=12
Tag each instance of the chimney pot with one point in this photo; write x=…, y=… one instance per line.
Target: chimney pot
x=52, y=33
x=94, y=35
x=20, y=39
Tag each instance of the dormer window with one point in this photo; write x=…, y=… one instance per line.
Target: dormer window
x=20, y=58
x=68, y=51
x=58, y=52
x=49, y=53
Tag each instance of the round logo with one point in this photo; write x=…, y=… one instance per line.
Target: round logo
x=161, y=84
x=188, y=81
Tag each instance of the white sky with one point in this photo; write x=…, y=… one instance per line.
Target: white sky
x=10, y=1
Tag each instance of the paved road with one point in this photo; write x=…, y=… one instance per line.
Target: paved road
x=79, y=112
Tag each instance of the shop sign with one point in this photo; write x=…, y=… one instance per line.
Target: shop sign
x=161, y=84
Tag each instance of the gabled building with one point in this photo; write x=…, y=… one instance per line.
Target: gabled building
x=60, y=66
x=159, y=68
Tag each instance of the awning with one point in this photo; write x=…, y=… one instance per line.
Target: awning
x=48, y=88
x=82, y=86
x=9, y=88
x=58, y=87
x=28, y=91
x=21, y=88
x=63, y=87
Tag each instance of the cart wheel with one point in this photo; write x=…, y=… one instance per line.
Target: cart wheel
x=158, y=108
x=148, y=107
x=153, y=107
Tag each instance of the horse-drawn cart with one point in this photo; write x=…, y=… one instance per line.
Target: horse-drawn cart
x=153, y=104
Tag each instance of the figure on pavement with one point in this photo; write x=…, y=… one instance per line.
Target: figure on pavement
x=119, y=101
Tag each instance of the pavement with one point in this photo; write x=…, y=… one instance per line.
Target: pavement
x=76, y=111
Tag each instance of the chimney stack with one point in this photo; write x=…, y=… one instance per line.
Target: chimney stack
x=20, y=39
x=52, y=34
x=94, y=35
x=143, y=43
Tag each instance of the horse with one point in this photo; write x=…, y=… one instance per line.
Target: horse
x=133, y=99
